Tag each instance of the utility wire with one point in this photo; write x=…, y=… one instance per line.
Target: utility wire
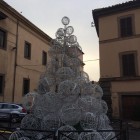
x=43, y=65
x=91, y=60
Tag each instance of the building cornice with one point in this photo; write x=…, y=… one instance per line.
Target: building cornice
x=119, y=39
x=23, y=20
x=118, y=79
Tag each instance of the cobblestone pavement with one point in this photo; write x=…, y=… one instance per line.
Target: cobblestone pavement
x=134, y=133
x=4, y=135
x=134, y=130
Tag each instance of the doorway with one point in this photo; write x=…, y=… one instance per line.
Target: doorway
x=131, y=107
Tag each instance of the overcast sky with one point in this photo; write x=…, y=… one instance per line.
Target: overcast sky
x=47, y=15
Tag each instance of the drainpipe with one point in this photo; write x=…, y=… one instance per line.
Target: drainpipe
x=15, y=65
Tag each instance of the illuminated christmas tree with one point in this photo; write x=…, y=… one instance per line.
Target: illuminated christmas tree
x=65, y=98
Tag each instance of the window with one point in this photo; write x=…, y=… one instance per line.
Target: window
x=2, y=39
x=14, y=106
x=1, y=84
x=128, y=64
x=26, y=85
x=126, y=27
x=2, y=16
x=44, y=58
x=5, y=106
x=27, y=50
x=1, y=106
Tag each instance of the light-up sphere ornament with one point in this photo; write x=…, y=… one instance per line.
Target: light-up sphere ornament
x=103, y=121
x=81, y=81
x=72, y=39
x=90, y=136
x=30, y=122
x=50, y=78
x=85, y=76
x=69, y=30
x=51, y=71
x=70, y=135
x=60, y=35
x=108, y=135
x=39, y=101
x=89, y=104
x=49, y=102
x=104, y=107
x=74, y=62
x=65, y=20
x=98, y=92
x=63, y=60
x=16, y=135
x=87, y=89
x=60, y=32
x=43, y=86
x=39, y=112
x=51, y=122
x=68, y=91
x=54, y=63
x=89, y=121
x=54, y=42
x=54, y=50
x=70, y=114
x=64, y=73
x=28, y=100
x=53, y=102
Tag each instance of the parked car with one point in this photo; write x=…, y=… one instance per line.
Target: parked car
x=11, y=112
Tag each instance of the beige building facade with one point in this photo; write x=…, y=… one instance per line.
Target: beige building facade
x=24, y=54
x=23, y=51
x=119, y=47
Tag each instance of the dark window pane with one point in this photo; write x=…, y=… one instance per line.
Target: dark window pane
x=1, y=83
x=44, y=58
x=27, y=50
x=122, y=27
x=129, y=26
x=14, y=106
x=126, y=27
x=128, y=65
x=1, y=106
x=10, y=106
x=26, y=86
x=5, y=106
x=2, y=39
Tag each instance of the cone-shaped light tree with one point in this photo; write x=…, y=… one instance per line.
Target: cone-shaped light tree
x=65, y=98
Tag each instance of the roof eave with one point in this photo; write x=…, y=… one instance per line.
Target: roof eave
x=96, y=13
x=22, y=19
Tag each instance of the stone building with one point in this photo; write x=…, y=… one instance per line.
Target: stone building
x=23, y=51
x=118, y=29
